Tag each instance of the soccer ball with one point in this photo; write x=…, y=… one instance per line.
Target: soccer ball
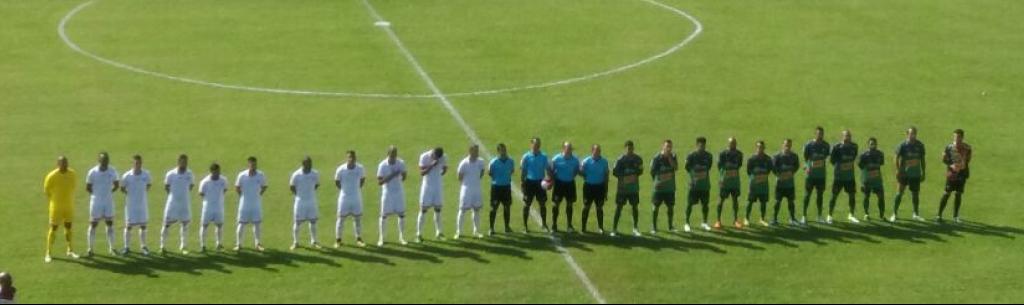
x=546, y=184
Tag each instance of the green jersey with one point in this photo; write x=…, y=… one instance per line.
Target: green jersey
x=698, y=164
x=911, y=156
x=843, y=159
x=729, y=164
x=816, y=154
x=785, y=165
x=870, y=164
x=759, y=167
x=663, y=170
x=628, y=169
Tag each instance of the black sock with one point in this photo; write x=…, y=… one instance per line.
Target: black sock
x=853, y=203
x=942, y=203
x=526, y=217
x=636, y=216
x=544, y=215
x=916, y=196
x=615, y=221
x=735, y=209
x=671, y=216
x=554, y=215
x=585, y=217
x=792, y=209
x=956, y=205
x=568, y=215
x=750, y=208
x=654, y=218
x=704, y=209
x=494, y=215
x=778, y=207
x=600, y=217
x=721, y=203
x=508, y=215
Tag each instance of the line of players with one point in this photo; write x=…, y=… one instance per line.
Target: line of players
x=538, y=175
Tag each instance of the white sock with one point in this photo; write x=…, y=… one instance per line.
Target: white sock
x=458, y=222
x=476, y=222
x=312, y=232
x=110, y=235
x=220, y=234
x=142, y=237
x=419, y=222
x=238, y=234
x=401, y=228
x=256, y=232
x=184, y=233
x=339, y=228
x=295, y=233
x=163, y=235
x=92, y=236
x=380, y=224
x=437, y=222
x=202, y=235
x=359, y=226
x=127, y=237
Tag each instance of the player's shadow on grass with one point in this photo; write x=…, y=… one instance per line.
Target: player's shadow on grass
x=403, y=252
x=353, y=256
x=196, y=264
x=535, y=242
x=663, y=242
x=478, y=245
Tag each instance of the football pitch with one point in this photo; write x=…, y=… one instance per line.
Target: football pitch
x=224, y=80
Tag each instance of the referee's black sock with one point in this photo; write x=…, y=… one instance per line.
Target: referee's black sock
x=600, y=217
x=956, y=205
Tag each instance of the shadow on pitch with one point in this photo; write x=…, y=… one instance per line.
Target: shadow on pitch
x=196, y=264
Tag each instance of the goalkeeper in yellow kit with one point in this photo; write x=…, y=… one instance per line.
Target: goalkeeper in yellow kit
x=59, y=188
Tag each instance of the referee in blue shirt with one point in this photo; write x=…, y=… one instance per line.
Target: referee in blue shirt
x=501, y=169
x=595, y=186
x=534, y=169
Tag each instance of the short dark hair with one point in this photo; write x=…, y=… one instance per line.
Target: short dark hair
x=251, y=159
x=959, y=131
x=182, y=157
x=759, y=143
x=667, y=141
x=214, y=166
x=629, y=143
x=820, y=129
x=872, y=140
x=104, y=154
x=137, y=157
x=501, y=146
x=438, y=152
x=702, y=140
x=534, y=140
x=350, y=153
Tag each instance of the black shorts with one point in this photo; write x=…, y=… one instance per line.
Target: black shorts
x=868, y=190
x=788, y=193
x=815, y=184
x=914, y=183
x=564, y=191
x=757, y=197
x=532, y=189
x=844, y=186
x=666, y=198
x=631, y=198
x=699, y=196
x=501, y=194
x=595, y=193
x=729, y=192
x=956, y=185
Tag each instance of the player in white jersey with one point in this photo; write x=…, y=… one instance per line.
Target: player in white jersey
x=212, y=189
x=350, y=178
x=433, y=166
x=391, y=174
x=178, y=183
x=250, y=186
x=471, y=198
x=304, y=183
x=101, y=182
x=135, y=185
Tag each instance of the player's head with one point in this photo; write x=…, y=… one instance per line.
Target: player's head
x=103, y=159
x=702, y=143
x=535, y=144
x=137, y=162
x=958, y=136
x=666, y=147
x=502, y=150
x=62, y=163
x=873, y=143
x=819, y=133
x=6, y=280
x=847, y=136
x=215, y=170
x=351, y=156
x=253, y=163
x=392, y=153
x=760, y=147
x=595, y=150
x=912, y=133
x=630, y=147
x=307, y=163
x=437, y=153
x=732, y=143
x=182, y=161
x=567, y=148
x=787, y=145
x=474, y=151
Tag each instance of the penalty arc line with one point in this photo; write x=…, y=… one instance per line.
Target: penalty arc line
x=443, y=99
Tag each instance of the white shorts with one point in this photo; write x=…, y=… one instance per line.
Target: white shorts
x=215, y=216
x=350, y=208
x=177, y=212
x=306, y=212
x=471, y=199
x=431, y=196
x=247, y=214
x=136, y=215
x=392, y=204
x=100, y=210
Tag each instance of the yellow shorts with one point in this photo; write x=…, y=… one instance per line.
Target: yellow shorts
x=61, y=216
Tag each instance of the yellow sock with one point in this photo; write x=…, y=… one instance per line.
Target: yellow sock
x=49, y=240
x=67, y=237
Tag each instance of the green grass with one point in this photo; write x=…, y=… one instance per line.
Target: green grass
x=760, y=70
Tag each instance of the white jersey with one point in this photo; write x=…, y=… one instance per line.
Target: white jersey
x=250, y=202
x=101, y=201
x=350, y=200
x=305, y=185
x=471, y=194
x=136, y=207
x=179, y=203
x=431, y=190
x=392, y=199
x=213, y=199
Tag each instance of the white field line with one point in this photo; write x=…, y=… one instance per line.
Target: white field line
x=441, y=97
x=698, y=29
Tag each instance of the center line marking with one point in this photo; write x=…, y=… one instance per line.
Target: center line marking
x=437, y=93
